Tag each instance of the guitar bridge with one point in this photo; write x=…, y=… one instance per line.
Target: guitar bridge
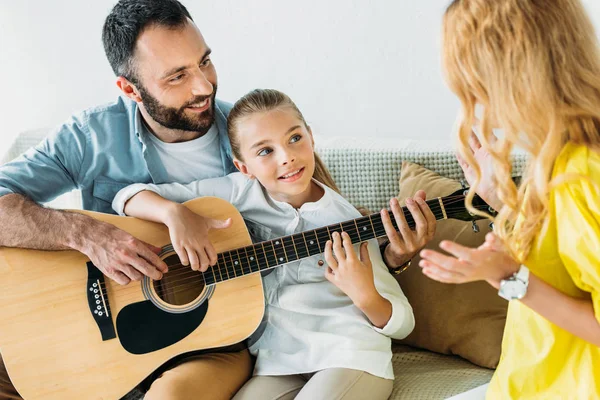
x=98, y=302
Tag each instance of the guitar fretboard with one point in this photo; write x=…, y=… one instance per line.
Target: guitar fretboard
x=272, y=253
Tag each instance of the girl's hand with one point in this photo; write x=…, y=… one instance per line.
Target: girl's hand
x=350, y=274
x=489, y=262
x=189, y=236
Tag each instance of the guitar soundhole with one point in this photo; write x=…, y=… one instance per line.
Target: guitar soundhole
x=181, y=285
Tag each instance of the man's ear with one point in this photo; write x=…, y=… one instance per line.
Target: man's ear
x=128, y=89
x=242, y=168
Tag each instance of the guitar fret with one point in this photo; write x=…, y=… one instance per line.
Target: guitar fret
x=380, y=230
x=207, y=277
x=270, y=254
x=357, y=230
x=354, y=236
x=232, y=267
x=219, y=266
x=310, y=243
x=313, y=244
x=212, y=269
x=371, y=220
x=365, y=229
x=244, y=263
x=284, y=252
x=305, y=244
x=280, y=257
x=252, y=259
x=294, y=256
x=261, y=257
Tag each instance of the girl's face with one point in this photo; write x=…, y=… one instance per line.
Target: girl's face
x=277, y=149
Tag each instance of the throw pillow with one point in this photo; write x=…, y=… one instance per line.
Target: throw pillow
x=466, y=320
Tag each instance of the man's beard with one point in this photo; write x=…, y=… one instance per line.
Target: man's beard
x=176, y=118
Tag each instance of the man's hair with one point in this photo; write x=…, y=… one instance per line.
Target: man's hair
x=126, y=22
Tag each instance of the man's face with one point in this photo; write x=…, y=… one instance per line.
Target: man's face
x=176, y=78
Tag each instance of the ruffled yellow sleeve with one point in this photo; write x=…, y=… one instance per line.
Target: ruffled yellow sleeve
x=577, y=212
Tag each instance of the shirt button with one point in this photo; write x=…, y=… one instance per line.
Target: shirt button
x=320, y=263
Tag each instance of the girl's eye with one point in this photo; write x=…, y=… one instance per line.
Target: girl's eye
x=295, y=138
x=264, y=152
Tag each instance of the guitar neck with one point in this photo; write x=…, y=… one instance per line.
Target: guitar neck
x=276, y=252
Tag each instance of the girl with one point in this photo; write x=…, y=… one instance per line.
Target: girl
x=534, y=66
x=326, y=330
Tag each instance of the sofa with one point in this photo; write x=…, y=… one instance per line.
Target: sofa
x=431, y=363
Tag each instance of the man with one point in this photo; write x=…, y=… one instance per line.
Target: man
x=168, y=127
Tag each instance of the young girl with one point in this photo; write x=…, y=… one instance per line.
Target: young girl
x=327, y=328
x=534, y=66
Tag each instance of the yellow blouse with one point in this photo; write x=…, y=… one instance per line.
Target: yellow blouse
x=540, y=360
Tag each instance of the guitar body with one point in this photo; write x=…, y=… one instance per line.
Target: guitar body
x=56, y=313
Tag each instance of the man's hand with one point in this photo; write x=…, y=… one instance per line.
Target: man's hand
x=487, y=184
x=121, y=256
x=407, y=242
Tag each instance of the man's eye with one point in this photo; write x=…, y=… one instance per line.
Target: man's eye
x=264, y=152
x=177, y=78
x=206, y=62
x=295, y=138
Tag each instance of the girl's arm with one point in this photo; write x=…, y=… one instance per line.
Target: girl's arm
x=151, y=206
x=188, y=230
x=382, y=302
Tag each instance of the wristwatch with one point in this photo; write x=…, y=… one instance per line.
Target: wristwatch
x=515, y=287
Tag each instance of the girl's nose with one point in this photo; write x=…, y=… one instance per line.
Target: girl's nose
x=288, y=159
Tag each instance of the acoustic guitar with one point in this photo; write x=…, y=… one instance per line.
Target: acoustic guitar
x=67, y=332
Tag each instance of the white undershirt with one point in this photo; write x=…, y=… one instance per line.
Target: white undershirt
x=309, y=323
x=192, y=160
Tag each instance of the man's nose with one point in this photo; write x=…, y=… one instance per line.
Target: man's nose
x=201, y=85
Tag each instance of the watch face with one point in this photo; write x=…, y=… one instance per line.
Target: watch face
x=512, y=289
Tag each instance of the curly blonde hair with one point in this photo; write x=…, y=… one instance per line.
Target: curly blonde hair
x=534, y=66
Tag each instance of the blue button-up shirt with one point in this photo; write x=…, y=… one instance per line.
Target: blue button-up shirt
x=99, y=152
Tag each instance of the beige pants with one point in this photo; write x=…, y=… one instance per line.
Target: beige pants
x=209, y=376
x=329, y=384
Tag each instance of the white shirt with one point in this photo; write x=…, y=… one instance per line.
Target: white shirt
x=309, y=323
x=192, y=160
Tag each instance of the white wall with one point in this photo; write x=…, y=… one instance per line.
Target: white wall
x=354, y=67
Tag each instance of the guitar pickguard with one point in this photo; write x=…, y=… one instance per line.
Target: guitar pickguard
x=144, y=328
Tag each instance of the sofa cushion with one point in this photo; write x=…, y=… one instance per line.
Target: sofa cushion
x=423, y=375
x=466, y=320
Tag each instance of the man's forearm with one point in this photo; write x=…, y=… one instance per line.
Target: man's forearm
x=28, y=225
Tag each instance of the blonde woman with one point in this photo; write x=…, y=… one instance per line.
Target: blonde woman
x=534, y=67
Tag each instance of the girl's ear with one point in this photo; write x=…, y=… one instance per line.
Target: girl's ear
x=242, y=168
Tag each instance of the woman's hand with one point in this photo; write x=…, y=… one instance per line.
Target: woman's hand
x=189, y=236
x=487, y=185
x=489, y=262
x=345, y=270
x=406, y=242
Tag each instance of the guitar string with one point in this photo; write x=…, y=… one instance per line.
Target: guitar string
x=200, y=278
x=197, y=277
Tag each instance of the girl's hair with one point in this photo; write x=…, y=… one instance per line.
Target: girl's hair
x=264, y=100
x=534, y=66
